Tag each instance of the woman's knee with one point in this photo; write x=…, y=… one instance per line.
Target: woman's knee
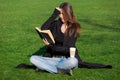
x=33, y=59
x=73, y=61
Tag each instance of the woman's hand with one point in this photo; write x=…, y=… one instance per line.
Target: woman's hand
x=59, y=9
x=45, y=41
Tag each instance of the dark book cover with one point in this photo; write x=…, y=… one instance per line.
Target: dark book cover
x=45, y=36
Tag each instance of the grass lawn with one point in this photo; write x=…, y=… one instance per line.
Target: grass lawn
x=99, y=41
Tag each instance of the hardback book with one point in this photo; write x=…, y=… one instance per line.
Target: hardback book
x=45, y=34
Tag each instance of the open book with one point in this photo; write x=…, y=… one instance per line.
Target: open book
x=46, y=34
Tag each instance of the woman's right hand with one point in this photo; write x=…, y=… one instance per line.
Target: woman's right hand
x=59, y=9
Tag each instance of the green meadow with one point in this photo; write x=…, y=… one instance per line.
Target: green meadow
x=99, y=41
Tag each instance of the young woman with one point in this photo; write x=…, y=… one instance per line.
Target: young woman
x=65, y=32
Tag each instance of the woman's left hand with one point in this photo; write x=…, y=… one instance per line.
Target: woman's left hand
x=45, y=41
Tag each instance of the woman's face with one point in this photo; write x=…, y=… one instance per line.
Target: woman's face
x=62, y=17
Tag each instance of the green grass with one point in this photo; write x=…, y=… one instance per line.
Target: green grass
x=99, y=41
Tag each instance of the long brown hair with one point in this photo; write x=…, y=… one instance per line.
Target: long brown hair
x=73, y=27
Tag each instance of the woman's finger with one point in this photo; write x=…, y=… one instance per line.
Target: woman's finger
x=58, y=9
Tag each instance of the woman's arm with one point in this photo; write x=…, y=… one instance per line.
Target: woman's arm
x=51, y=19
x=68, y=42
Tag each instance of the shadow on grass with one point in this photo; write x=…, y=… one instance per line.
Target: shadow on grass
x=99, y=25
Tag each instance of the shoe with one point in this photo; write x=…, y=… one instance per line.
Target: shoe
x=70, y=73
x=65, y=71
x=38, y=70
x=22, y=65
x=108, y=66
x=25, y=66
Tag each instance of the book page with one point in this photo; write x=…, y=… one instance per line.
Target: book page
x=46, y=31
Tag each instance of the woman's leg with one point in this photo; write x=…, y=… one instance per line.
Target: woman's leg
x=67, y=63
x=44, y=63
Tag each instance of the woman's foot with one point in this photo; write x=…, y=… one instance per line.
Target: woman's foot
x=108, y=66
x=65, y=71
x=25, y=66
